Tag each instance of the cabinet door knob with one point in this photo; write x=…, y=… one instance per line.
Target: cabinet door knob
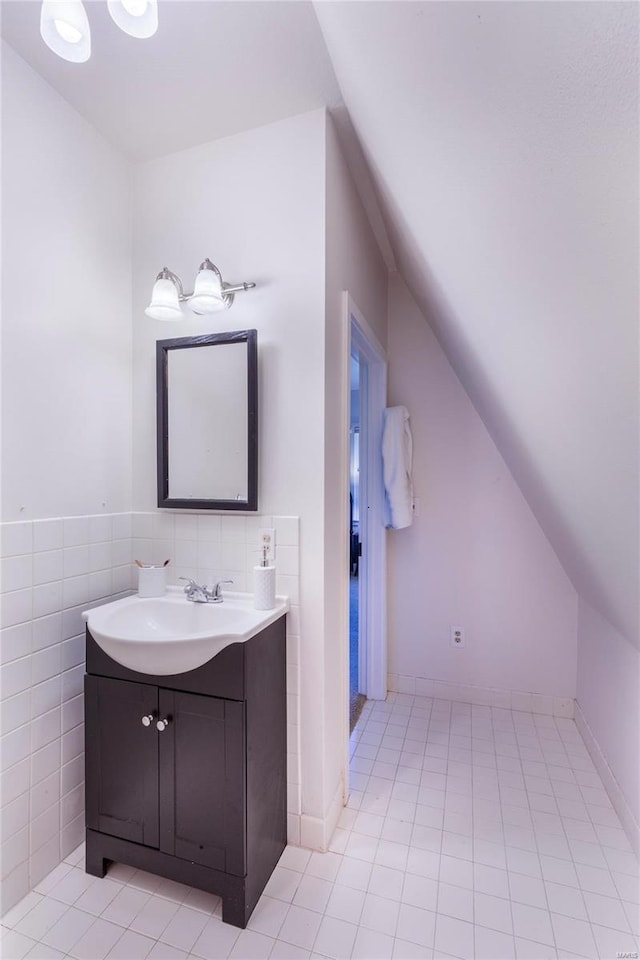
x=148, y=720
x=162, y=724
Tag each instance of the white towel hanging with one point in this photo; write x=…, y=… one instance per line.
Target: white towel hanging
x=397, y=457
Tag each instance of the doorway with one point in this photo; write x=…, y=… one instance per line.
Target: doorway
x=356, y=658
x=367, y=538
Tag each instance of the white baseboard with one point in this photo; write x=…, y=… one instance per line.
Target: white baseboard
x=609, y=781
x=316, y=832
x=487, y=696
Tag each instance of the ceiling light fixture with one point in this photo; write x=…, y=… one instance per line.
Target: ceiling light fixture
x=210, y=293
x=64, y=27
x=138, y=18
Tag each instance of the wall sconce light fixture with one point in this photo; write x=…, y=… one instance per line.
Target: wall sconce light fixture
x=210, y=293
x=64, y=26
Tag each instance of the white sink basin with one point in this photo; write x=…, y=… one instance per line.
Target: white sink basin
x=170, y=634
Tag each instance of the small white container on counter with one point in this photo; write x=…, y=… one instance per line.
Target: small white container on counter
x=264, y=588
x=152, y=581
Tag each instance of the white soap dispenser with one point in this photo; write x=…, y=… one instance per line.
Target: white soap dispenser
x=264, y=584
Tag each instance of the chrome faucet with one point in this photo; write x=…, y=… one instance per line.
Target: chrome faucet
x=201, y=594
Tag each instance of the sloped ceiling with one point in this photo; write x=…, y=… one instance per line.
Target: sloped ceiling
x=503, y=142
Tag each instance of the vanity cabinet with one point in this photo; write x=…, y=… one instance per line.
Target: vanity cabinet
x=186, y=775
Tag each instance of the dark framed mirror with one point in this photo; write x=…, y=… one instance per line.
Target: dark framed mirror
x=207, y=421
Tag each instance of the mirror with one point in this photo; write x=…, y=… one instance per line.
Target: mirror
x=207, y=406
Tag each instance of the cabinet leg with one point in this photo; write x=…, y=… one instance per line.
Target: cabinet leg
x=95, y=863
x=234, y=912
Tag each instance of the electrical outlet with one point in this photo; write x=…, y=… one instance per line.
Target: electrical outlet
x=267, y=538
x=456, y=637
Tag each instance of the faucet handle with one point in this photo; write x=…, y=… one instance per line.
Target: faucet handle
x=215, y=590
x=191, y=584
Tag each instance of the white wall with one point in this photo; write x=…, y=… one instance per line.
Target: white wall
x=270, y=205
x=66, y=452
x=609, y=696
x=353, y=263
x=66, y=307
x=476, y=556
x=253, y=203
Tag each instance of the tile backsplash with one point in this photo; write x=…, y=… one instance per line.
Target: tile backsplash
x=50, y=571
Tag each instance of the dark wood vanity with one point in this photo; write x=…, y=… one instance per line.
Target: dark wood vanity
x=186, y=774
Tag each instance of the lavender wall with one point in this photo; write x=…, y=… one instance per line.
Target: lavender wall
x=608, y=696
x=476, y=556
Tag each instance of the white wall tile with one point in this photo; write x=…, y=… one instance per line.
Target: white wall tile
x=100, y=556
x=209, y=528
x=16, y=607
x=45, y=664
x=45, y=794
x=44, y=762
x=233, y=528
x=16, y=538
x=233, y=555
x=15, y=642
x=14, y=851
x=72, y=713
x=163, y=526
x=75, y=591
x=121, y=552
x=123, y=578
x=186, y=527
x=43, y=861
x=142, y=526
x=72, y=683
x=72, y=775
x=45, y=696
x=73, y=743
x=15, y=781
x=72, y=652
x=45, y=729
x=75, y=560
x=15, y=676
x=45, y=827
x=75, y=531
x=100, y=585
x=14, y=816
x=47, y=599
x=46, y=631
x=16, y=572
x=15, y=887
x=122, y=526
x=15, y=746
x=47, y=535
x=72, y=805
x=16, y=711
x=100, y=528
x=48, y=566
x=287, y=531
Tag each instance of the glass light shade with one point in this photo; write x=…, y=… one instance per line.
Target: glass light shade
x=165, y=304
x=64, y=27
x=138, y=18
x=207, y=293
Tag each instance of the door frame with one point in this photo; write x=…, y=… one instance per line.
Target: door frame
x=373, y=562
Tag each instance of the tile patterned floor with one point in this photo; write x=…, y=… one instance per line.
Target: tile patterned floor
x=471, y=832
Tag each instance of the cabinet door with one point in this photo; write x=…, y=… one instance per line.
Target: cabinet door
x=202, y=780
x=121, y=759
